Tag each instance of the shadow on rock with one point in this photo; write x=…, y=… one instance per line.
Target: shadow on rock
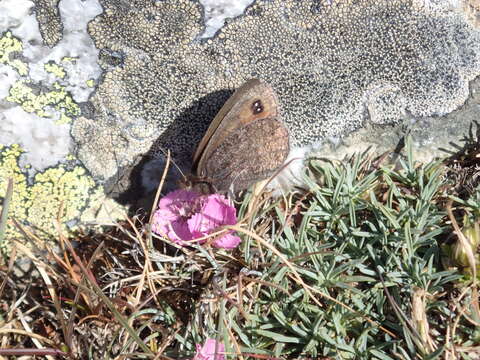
x=136, y=185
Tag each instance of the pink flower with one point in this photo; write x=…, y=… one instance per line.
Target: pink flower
x=174, y=210
x=216, y=211
x=184, y=215
x=211, y=350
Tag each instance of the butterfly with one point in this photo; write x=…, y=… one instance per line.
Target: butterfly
x=245, y=143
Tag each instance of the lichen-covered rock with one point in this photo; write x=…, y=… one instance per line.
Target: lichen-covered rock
x=49, y=21
x=335, y=65
x=217, y=11
x=40, y=93
x=471, y=8
x=61, y=192
x=9, y=46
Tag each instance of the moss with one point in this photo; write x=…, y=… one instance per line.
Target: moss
x=10, y=45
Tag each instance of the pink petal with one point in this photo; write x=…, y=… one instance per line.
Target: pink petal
x=219, y=211
x=177, y=197
x=176, y=229
x=179, y=231
x=199, y=225
x=161, y=221
x=199, y=229
x=216, y=212
x=170, y=219
x=207, y=352
x=186, y=215
x=227, y=241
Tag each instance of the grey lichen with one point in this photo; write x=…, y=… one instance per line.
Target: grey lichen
x=49, y=21
x=334, y=64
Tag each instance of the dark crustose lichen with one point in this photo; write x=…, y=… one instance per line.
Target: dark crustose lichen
x=334, y=64
x=49, y=21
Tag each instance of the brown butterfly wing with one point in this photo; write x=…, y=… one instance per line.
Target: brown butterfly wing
x=240, y=109
x=248, y=154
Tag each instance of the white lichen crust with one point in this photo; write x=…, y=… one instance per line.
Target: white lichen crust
x=335, y=65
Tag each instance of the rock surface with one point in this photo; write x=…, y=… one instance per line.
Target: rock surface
x=88, y=111
x=336, y=65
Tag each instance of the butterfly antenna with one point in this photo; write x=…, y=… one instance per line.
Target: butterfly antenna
x=167, y=153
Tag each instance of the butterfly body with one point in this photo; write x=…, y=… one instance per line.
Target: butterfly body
x=245, y=143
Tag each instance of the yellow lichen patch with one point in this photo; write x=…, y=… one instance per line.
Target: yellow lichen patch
x=56, y=193
x=55, y=69
x=9, y=169
x=22, y=93
x=69, y=59
x=8, y=46
x=90, y=83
